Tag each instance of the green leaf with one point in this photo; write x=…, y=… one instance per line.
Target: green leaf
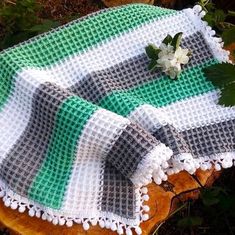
x=227, y=96
x=152, y=65
x=190, y=221
x=167, y=39
x=223, y=76
x=211, y=196
x=219, y=16
x=220, y=74
x=176, y=40
x=228, y=36
x=152, y=51
x=209, y=18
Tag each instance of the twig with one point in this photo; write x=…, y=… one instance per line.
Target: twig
x=173, y=213
x=8, y=1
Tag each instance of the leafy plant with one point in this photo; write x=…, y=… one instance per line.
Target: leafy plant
x=19, y=21
x=189, y=221
x=210, y=196
x=223, y=76
x=216, y=18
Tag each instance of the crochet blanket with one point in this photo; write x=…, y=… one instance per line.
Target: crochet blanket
x=84, y=124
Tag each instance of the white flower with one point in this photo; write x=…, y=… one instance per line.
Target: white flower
x=181, y=56
x=173, y=71
x=167, y=51
x=170, y=61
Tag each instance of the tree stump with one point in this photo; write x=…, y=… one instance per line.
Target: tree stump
x=162, y=202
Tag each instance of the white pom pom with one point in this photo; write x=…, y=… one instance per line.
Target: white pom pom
x=145, y=217
x=101, y=223
x=197, y=8
x=145, y=197
x=187, y=167
x=31, y=212
x=225, y=164
x=128, y=231
x=86, y=226
x=164, y=178
x=146, y=208
x=120, y=230
x=161, y=174
x=93, y=222
x=2, y=194
x=69, y=223
x=202, y=14
x=55, y=221
x=157, y=180
x=144, y=190
x=170, y=171
x=38, y=214
x=217, y=167
x=22, y=209
x=61, y=221
x=212, y=32
x=203, y=167
x=113, y=226
x=14, y=205
x=7, y=202
x=197, y=165
x=49, y=218
x=107, y=224
x=165, y=165
x=138, y=230
x=44, y=216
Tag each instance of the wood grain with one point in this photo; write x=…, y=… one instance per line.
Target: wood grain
x=162, y=202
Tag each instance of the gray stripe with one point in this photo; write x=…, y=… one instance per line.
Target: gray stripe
x=211, y=139
x=19, y=168
x=134, y=72
x=118, y=193
x=129, y=149
x=201, y=141
x=172, y=138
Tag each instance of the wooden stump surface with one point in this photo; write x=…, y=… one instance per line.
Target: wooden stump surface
x=163, y=201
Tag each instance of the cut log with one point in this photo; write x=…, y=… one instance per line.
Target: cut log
x=163, y=201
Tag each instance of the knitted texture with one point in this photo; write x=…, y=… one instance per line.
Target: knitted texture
x=84, y=124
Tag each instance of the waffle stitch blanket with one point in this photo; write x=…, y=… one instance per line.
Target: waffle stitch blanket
x=84, y=125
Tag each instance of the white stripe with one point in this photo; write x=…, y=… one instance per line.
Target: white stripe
x=16, y=112
x=83, y=196
x=118, y=49
x=186, y=114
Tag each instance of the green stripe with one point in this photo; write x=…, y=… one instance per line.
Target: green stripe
x=74, y=38
x=49, y=185
x=160, y=92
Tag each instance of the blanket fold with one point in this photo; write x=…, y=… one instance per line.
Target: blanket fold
x=84, y=125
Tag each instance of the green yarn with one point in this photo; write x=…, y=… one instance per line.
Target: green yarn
x=47, y=188
x=74, y=38
x=160, y=92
